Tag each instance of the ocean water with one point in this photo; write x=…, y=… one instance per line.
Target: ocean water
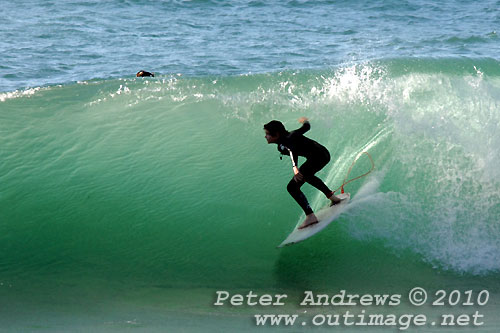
x=126, y=203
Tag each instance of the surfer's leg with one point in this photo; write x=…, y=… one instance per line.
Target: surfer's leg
x=293, y=188
x=309, y=168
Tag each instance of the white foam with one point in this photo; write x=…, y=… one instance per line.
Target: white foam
x=19, y=93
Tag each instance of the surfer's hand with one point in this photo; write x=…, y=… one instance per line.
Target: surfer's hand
x=303, y=120
x=298, y=177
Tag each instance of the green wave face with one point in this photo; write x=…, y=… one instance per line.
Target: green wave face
x=170, y=179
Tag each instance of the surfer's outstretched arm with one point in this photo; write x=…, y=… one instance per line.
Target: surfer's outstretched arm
x=305, y=126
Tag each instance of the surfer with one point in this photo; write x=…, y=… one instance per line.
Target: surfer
x=144, y=73
x=295, y=144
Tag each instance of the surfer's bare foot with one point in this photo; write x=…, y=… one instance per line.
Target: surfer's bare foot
x=310, y=220
x=334, y=200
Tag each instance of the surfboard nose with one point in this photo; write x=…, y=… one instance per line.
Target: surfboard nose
x=325, y=216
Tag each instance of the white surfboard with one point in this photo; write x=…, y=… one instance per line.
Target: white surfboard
x=325, y=217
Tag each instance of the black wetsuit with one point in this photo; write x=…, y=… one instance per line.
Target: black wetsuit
x=317, y=157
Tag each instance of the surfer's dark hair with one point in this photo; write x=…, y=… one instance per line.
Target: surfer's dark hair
x=274, y=127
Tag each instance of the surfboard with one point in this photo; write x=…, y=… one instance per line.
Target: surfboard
x=325, y=216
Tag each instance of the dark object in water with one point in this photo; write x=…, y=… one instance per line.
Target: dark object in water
x=144, y=73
